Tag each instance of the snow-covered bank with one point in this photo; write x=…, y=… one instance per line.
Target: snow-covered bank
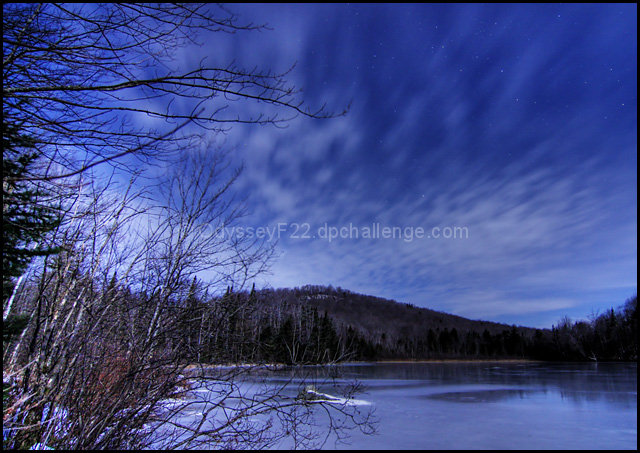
x=262, y=407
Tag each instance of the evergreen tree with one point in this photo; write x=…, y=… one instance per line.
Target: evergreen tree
x=26, y=218
x=285, y=342
x=328, y=339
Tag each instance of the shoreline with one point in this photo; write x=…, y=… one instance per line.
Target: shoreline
x=280, y=366
x=459, y=361
x=391, y=361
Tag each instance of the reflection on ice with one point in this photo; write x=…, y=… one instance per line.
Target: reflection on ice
x=482, y=395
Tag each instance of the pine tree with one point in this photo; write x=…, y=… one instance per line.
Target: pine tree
x=26, y=219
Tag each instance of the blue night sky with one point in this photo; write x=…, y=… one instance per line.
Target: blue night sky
x=517, y=122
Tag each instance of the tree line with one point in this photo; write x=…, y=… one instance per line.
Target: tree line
x=372, y=328
x=610, y=336
x=302, y=326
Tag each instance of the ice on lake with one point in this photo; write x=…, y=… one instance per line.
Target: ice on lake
x=499, y=406
x=479, y=405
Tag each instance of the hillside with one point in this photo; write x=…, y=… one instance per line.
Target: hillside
x=369, y=327
x=376, y=315
x=336, y=324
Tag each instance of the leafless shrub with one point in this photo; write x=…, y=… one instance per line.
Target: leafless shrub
x=102, y=363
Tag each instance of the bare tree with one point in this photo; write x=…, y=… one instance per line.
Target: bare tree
x=94, y=83
x=103, y=363
x=89, y=85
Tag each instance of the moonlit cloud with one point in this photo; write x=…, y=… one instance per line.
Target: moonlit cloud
x=517, y=122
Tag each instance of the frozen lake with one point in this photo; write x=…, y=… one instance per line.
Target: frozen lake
x=465, y=405
x=497, y=405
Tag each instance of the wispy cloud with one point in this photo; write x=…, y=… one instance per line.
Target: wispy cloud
x=517, y=123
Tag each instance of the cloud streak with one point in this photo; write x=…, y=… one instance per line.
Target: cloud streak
x=517, y=122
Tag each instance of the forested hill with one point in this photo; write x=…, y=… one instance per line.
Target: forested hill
x=378, y=318
x=316, y=324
